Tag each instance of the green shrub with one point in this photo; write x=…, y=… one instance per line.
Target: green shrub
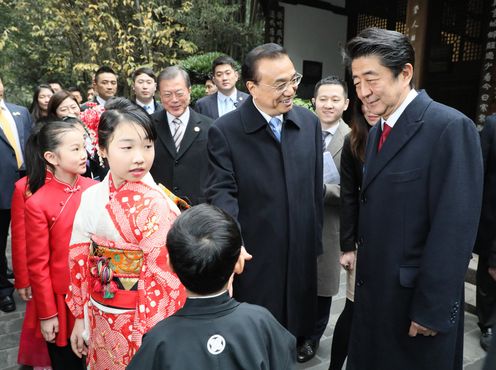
x=305, y=103
x=197, y=92
x=199, y=66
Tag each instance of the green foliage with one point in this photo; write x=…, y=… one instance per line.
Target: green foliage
x=199, y=66
x=197, y=92
x=305, y=103
x=66, y=40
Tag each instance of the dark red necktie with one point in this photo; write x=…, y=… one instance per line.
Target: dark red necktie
x=385, y=133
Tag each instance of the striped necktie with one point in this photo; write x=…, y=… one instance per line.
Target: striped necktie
x=7, y=130
x=324, y=135
x=178, y=126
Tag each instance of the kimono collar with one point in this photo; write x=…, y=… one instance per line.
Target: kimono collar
x=218, y=306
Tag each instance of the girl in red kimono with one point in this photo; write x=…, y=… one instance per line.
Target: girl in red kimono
x=49, y=214
x=121, y=285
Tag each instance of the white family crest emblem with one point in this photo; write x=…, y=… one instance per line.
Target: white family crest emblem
x=216, y=344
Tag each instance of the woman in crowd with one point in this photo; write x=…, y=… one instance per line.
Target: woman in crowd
x=121, y=285
x=63, y=104
x=49, y=215
x=39, y=106
x=352, y=159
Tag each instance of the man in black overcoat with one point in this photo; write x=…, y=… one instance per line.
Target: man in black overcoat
x=485, y=245
x=265, y=169
x=420, y=206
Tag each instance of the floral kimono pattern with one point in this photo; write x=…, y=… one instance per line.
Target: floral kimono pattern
x=120, y=281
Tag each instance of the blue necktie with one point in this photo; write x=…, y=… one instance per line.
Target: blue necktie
x=275, y=125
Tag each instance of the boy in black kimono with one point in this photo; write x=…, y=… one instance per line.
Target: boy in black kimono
x=212, y=330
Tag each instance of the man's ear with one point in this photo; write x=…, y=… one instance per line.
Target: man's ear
x=250, y=86
x=407, y=72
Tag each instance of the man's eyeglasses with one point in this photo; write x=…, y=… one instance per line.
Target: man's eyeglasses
x=282, y=86
x=178, y=94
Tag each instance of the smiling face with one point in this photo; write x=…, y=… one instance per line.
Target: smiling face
x=272, y=73
x=68, y=107
x=129, y=153
x=175, y=95
x=330, y=103
x=377, y=87
x=69, y=158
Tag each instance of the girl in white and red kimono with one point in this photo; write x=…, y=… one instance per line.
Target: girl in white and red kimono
x=49, y=214
x=121, y=285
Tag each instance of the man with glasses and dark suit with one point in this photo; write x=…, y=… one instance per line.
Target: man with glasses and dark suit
x=265, y=169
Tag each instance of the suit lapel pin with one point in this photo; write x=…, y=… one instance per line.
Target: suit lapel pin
x=196, y=129
x=16, y=113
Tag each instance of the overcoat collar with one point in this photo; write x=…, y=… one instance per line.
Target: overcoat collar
x=252, y=120
x=217, y=306
x=192, y=130
x=407, y=126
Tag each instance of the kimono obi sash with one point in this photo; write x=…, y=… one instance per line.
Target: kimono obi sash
x=114, y=276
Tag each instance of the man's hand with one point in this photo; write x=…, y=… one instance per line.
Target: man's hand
x=492, y=272
x=25, y=293
x=50, y=329
x=347, y=260
x=419, y=329
x=78, y=344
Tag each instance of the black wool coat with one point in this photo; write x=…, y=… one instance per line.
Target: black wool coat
x=275, y=192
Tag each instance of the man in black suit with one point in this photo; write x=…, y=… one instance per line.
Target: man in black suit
x=485, y=245
x=144, y=87
x=265, y=170
x=15, y=125
x=419, y=210
x=227, y=98
x=181, y=149
x=105, y=86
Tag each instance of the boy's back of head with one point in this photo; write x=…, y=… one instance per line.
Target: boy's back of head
x=204, y=244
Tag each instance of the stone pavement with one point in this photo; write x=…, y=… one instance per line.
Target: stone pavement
x=10, y=326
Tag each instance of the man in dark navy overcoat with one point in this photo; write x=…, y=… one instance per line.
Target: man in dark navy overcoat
x=420, y=206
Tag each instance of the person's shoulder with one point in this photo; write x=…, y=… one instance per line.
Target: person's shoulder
x=87, y=182
x=490, y=122
x=206, y=99
x=300, y=113
x=201, y=117
x=20, y=185
x=255, y=313
x=14, y=109
x=159, y=115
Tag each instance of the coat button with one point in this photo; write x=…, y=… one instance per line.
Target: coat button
x=359, y=283
x=175, y=188
x=176, y=163
x=363, y=199
x=61, y=204
x=360, y=241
